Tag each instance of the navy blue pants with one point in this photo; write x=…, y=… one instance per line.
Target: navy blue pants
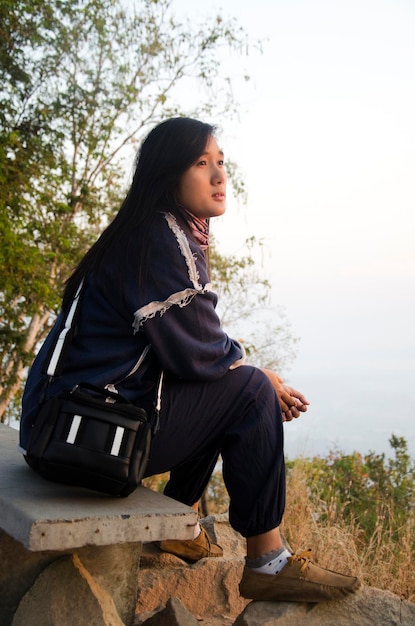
x=238, y=417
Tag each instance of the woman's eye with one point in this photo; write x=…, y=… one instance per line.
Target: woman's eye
x=202, y=162
x=221, y=162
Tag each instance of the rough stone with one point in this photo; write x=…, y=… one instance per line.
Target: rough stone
x=50, y=604
x=114, y=568
x=219, y=529
x=19, y=570
x=208, y=587
x=369, y=606
x=174, y=614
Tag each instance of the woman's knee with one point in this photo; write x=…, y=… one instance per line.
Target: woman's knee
x=257, y=382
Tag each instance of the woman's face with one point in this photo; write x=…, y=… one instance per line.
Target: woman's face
x=202, y=188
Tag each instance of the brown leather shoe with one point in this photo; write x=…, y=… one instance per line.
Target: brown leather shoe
x=192, y=549
x=299, y=581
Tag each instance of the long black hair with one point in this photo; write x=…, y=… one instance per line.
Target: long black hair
x=165, y=154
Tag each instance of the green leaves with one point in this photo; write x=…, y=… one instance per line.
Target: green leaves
x=364, y=489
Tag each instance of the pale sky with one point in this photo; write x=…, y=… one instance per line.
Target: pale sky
x=326, y=139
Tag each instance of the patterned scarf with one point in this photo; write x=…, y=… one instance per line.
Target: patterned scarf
x=200, y=229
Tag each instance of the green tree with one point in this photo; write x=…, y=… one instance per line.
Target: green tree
x=246, y=312
x=81, y=82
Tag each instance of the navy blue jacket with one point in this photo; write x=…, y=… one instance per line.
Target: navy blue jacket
x=127, y=333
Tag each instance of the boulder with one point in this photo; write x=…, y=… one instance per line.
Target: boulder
x=174, y=614
x=77, y=600
x=365, y=608
x=209, y=587
x=206, y=588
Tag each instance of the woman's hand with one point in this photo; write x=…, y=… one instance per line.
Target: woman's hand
x=292, y=401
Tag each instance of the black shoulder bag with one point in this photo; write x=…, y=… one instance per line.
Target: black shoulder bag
x=90, y=436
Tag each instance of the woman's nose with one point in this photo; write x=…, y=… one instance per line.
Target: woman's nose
x=218, y=175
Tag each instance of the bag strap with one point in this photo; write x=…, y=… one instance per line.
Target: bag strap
x=157, y=404
x=54, y=367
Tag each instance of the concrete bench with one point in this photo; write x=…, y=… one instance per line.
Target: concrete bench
x=99, y=536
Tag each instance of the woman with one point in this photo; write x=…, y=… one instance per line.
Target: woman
x=148, y=301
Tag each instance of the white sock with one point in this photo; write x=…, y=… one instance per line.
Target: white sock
x=275, y=564
x=197, y=531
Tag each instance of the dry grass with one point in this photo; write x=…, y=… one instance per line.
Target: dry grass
x=387, y=561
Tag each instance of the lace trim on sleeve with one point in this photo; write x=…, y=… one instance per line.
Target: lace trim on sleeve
x=179, y=298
